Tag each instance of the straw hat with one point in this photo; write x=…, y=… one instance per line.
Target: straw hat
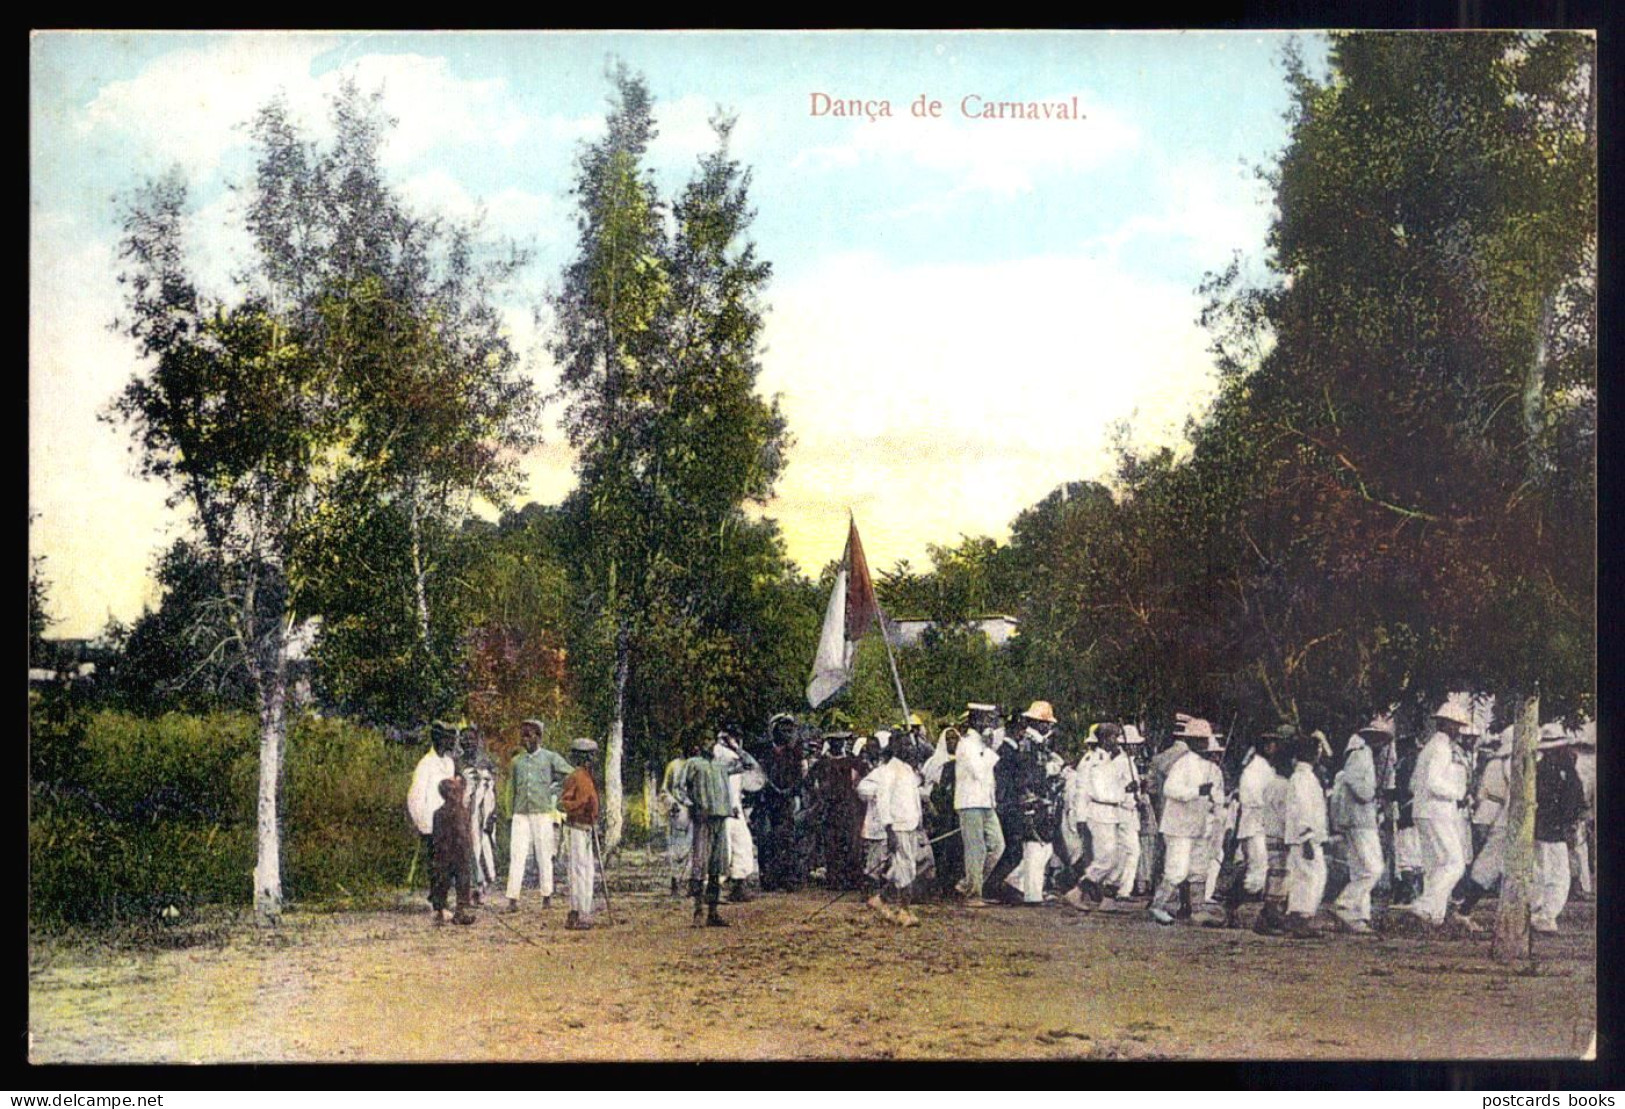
x=532, y=722
x=1191, y=727
x=584, y=746
x=1041, y=711
x=1132, y=736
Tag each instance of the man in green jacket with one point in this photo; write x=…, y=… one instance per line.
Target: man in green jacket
x=537, y=777
x=705, y=782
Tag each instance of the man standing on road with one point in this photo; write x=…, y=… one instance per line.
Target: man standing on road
x=1358, y=780
x=536, y=772
x=579, y=800
x=1559, y=808
x=1102, y=784
x=679, y=829
x=974, y=796
x=736, y=762
x=897, y=809
x=705, y=783
x=1438, y=786
x=424, y=797
x=1306, y=836
x=1188, y=800
x=1489, y=822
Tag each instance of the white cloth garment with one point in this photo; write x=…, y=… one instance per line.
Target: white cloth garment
x=1255, y=777
x=423, y=798
x=1256, y=849
x=904, y=859
x=869, y=793
x=741, y=847
x=581, y=869
x=1365, y=866
x=1359, y=775
x=1443, y=864
x=897, y=801
x=1551, y=883
x=1490, y=862
x=1102, y=784
x=1185, y=809
x=1305, y=880
x=1103, y=837
x=1407, y=849
x=482, y=805
x=1439, y=782
x=973, y=772
x=1028, y=876
x=532, y=834
x=1128, y=857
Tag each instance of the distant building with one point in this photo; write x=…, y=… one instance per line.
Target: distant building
x=998, y=628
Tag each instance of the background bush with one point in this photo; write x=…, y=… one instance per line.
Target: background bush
x=129, y=815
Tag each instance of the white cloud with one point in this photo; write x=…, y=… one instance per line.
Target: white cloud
x=191, y=106
x=936, y=400
x=1215, y=208
x=999, y=157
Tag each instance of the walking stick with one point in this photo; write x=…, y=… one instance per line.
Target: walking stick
x=497, y=916
x=598, y=858
x=843, y=893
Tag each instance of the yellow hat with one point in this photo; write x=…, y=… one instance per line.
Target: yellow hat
x=914, y=718
x=1040, y=710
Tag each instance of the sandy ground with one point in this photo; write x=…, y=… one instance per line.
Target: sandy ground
x=1002, y=983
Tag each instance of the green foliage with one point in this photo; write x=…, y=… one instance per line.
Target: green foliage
x=146, y=813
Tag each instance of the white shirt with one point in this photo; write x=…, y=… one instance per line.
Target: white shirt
x=1359, y=776
x=897, y=803
x=1185, y=810
x=973, y=773
x=869, y=791
x=1494, y=788
x=1255, y=779
x=1438, y=782
x=1305, y=807
x=1103, y=785
x=424, y=797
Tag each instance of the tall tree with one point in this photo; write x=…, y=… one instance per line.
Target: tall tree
x=262, y=409
x=657, y=339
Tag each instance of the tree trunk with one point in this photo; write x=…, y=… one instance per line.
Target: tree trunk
x=417, y=574
x=1511, y=944
x=614, y=794
x=273, y=688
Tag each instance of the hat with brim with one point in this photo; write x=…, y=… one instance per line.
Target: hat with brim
x=976, y=706
x=1553, y=736
x=1284, y=730
x=583, y=746
x=1132, y=736
x=1041, y=711
x=532, y=722
x=1455, y=710
x=1381, y=724
x=1191, y=727
x=1215, y=745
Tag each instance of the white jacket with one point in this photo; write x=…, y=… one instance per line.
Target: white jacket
x=1255, y=779
x=973, y=772
x=897, y=802
x=423, y=798
x=1305, y=807
x=869, y=788
x=1102, y=787
x=1439, y=781
x=1494, y=788
x=1185, y=811
x=1359, y=776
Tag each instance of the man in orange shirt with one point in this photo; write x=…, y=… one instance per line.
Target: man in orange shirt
x=579, y=801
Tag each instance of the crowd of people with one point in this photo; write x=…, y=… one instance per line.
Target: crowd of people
x=1001, y=810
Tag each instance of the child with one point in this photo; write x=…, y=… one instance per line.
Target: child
x=452, y=854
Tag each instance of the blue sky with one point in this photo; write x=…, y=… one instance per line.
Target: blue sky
x=935, y=281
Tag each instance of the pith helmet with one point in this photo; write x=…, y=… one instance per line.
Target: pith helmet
x=1040, y=711
x=1456, y=710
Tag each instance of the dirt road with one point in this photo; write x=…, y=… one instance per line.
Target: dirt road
x=1002, y=983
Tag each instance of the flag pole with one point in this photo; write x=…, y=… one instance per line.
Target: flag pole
x=897, y=681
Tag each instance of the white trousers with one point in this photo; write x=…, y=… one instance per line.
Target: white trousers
x=1028, y=876
x=903, y=860
x=1551, y=882
x=1258, y=863
x=532, y=834
x=1407, y=849
x=679, y=841
x=581, y=869
x=1305, y=879
x=1582, y=856
x=1490, y=862
x=741, y=848
x=1443, y=864
x=1364, y=851
x=1103, y=838
x=1128, y=859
